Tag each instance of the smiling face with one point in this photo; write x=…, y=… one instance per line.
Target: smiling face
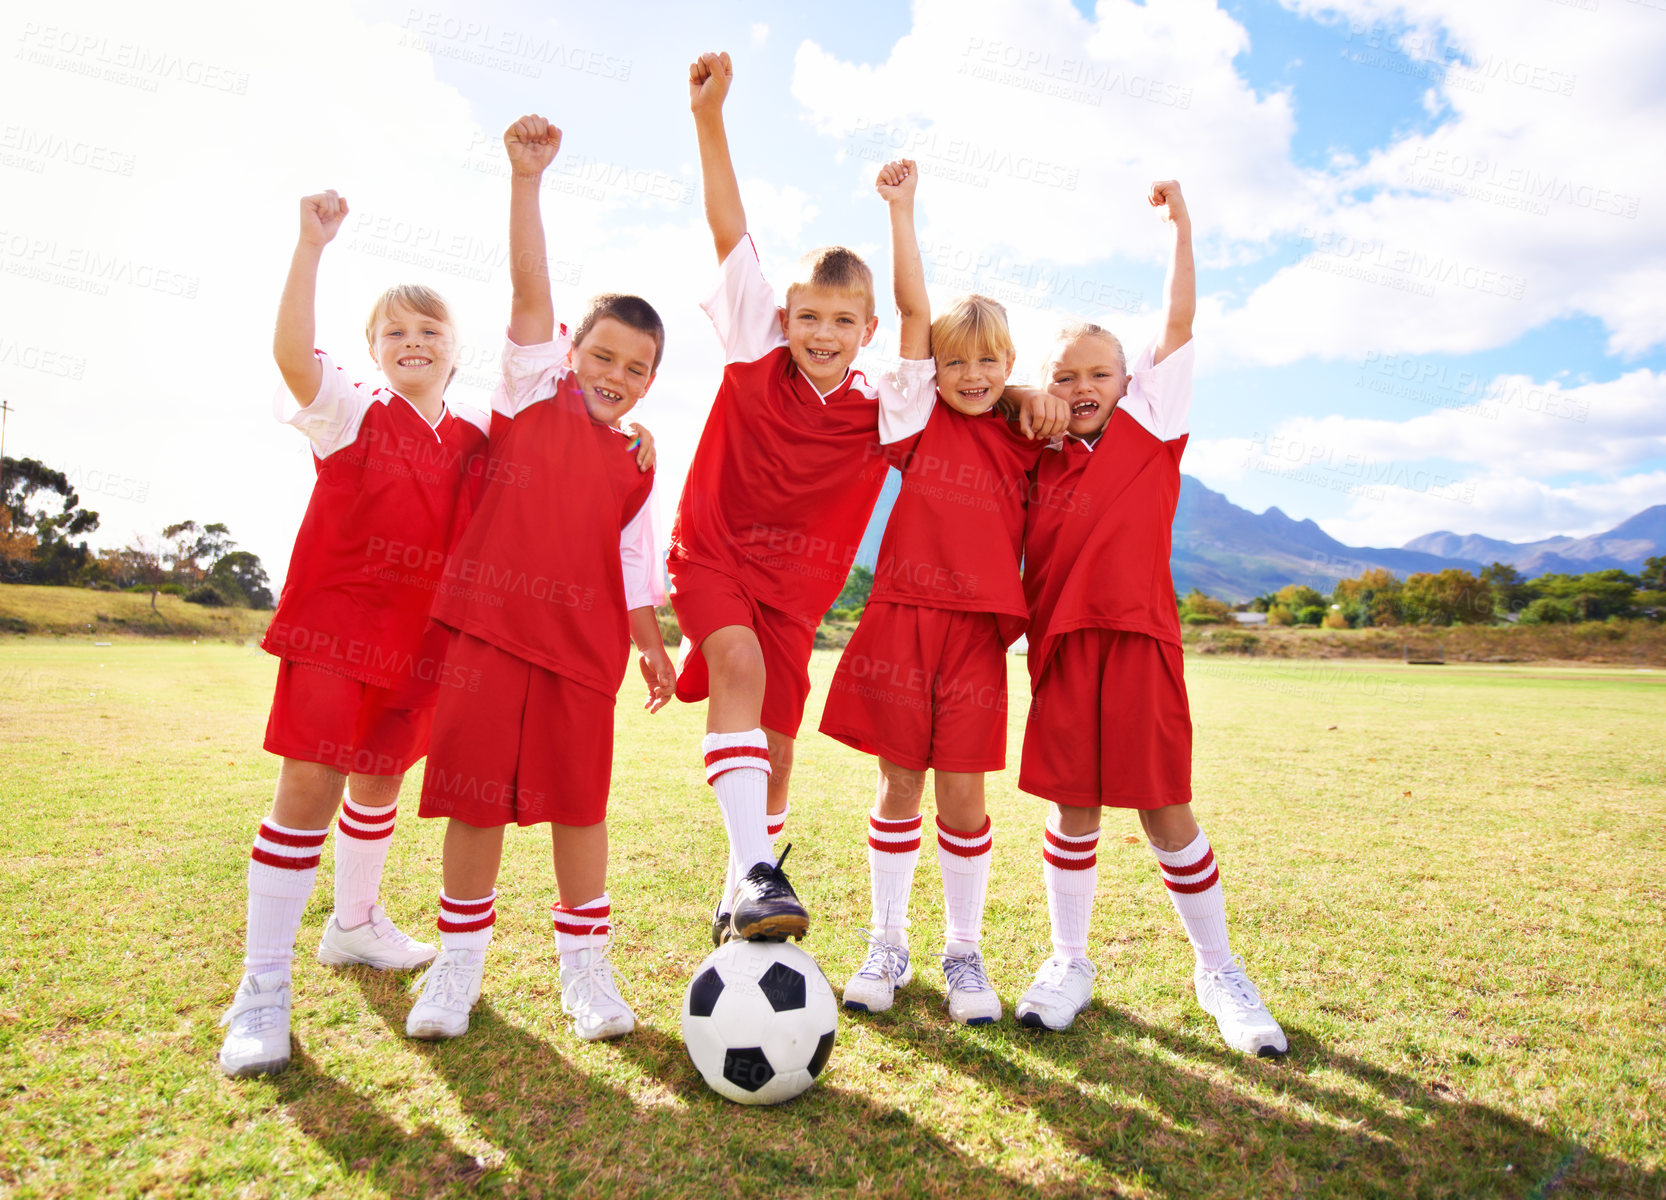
x=1088, y=371
x=824, y=329
x=970, y=383
x=415, y=352
x=613, y=365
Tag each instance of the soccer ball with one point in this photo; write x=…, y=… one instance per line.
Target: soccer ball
x=758, y=1021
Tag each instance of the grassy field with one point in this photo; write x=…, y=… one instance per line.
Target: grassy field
x=1448, y=882
x=66, y=611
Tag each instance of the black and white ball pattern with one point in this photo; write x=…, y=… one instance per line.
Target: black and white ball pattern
x=759, y=1020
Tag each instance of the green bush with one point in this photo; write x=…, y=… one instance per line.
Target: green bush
x=1548, y=610
x=167, y=589
x=207, y=595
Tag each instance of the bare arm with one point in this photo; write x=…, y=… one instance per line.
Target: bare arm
x=532, y=143
x=1180, y=288
x=896, y=184
x=293, y=339
x=708, y=84
x=657, y=671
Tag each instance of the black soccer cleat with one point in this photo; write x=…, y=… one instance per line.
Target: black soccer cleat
x=766, y=907
x=722, y=930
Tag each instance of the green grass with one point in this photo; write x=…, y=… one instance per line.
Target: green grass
x=1447, y=881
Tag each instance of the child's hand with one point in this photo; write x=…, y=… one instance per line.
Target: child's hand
x=897, y=180
x=643, y=441
x=661, y=677
x=532, y=143
x=1041, y=415
x=1166, y=196
x=708, y=81
x=321, y=217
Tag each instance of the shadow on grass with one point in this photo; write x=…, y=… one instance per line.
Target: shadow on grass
x=641, y=1121
x=1147, y=1102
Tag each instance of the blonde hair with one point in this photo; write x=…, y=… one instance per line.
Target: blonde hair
x=1075, y=332
x=834, y=269
x=423, y=300
x=972, y=325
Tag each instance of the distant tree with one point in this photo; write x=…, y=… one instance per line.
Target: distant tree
x=1372, y=599
x=1594, y=596
x=1306, y=606
x=1512, y=591
x=1198, y=608
x=1653, y=576
x=241, y=579
x=1449, y=597
x=858, y=586
x=1548, y=610
x=190, y=550
x=42, y=514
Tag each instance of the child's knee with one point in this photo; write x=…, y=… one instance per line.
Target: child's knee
x=734, y=662
x=900, y=789
x=1074, y=821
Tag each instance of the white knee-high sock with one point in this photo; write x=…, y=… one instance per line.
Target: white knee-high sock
x=1194, y=885
x=363, y=836
x=467, y=924
x=582, y=927
x=777, y=825
x=1071, y=868
x=737, y=767
x=893, y=851
x=964, y=858
x=283, y=866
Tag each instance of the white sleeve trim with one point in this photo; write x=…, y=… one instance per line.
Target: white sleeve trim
x=331, y=422
x=1160, y=394
x=530, y=373
x=639, y=557
x=906, y=396
x=742, y=306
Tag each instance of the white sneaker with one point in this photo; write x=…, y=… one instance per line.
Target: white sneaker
x=1062, y=988
x=258, y=1041
x=1228, y=995
x=591, y=997
x=377, y=943
x=971, y=998
x=450, y=989
x=875, y=983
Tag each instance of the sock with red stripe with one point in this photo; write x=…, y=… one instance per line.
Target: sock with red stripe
x=893, y=851
x=964, y=858
x=737, y=767
x=363, y=836
x=1071, y=868
x=776, y=825
x=576, y=927
x=1194, y=885
x=283, y=866
x=467, y=924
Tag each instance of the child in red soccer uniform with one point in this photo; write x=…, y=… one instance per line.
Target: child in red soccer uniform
x=554, y=577
x=778, y=495
x=1109, y=722
x=922, y=684
x=356, y=684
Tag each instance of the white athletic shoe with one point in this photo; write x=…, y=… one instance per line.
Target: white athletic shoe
x=377, y=943
x=1062, y=988
x=1228, y=995
x=258, y=1041
x=450, y=989
x=591, y=997
x=971, y=997
x=874, y=986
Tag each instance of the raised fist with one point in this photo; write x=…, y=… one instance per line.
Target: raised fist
x=532, y=143
x=708, y=81
x=321, y=217
x=1166, y=196
x=897, y=180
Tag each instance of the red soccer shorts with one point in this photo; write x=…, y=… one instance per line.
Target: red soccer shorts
x=1110, y=724
x=529, y=746
x=923, y=687
x=321, y=716
x=705, y=601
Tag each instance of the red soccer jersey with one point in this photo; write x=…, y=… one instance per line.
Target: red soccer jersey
x=1098, y=536
x=784, y=479
x=387, y=500
x=539, y=570
x=956, y=533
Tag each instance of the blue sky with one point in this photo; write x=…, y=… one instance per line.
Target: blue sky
x=1432, y=260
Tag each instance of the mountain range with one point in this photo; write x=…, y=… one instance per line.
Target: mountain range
x=1235, y=554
